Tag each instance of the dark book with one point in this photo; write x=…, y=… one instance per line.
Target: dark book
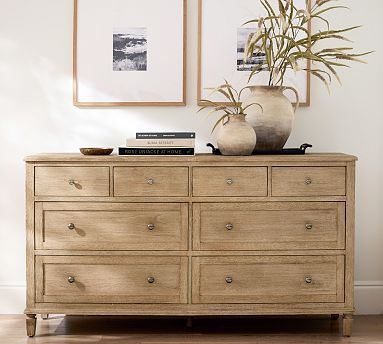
x=180, y=135
x=155, y=151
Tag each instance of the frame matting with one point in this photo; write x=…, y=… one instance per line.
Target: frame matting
x=218, y=22
x=129, y=53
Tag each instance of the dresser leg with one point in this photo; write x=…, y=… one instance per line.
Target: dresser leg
x=347, y=325
x=31, y=325
x=189, y=322
x=334, y=316
x=45, y=316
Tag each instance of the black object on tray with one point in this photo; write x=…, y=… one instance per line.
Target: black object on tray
x=286, y=151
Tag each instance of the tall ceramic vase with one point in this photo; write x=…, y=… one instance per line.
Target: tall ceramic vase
x=236, y=136
x=273, y=125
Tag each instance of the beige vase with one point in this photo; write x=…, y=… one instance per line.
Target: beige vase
x=273, y=125
x=236, y=136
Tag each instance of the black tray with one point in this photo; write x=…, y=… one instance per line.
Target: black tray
x=286, y=151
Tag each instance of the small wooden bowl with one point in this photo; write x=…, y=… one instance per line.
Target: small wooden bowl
x=96, y=151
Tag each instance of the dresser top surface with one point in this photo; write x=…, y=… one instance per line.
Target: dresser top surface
x=77, y=157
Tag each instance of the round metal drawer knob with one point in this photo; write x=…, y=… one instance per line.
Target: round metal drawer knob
x=150, y=181
x=71, y=279
x=151, y=280
x=309, y=226
x=308, y=280
x=308, y=181
x=151, y=226
x=229, y=181
x=229, y=226
x=71, y=226
x=72, y=182
x=229, y=280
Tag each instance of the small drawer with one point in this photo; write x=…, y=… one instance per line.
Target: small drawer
x=271, y=279
x=308, y=181
x=72, y=181
x=119, y=279
x=269, y=226
x=229, y=181
x=111, y=226
x=151, y=181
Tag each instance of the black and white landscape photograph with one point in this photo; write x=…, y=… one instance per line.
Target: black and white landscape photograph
x=130, y=49
x=258, y=58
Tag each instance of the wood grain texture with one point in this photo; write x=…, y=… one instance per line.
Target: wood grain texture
x=31, y=324
x=266, y=279
x=169, y=309
x=325, y=158
x=191, y=253
x=268, y=249
x=167, y=199
x=30, y=234
x=350, y=236
x=112, y=279
x=229, y=181
x=347, y=325
x=308, y=181
x=112, y=226
x=269, y=226
x=86, y=181
x=151, y=181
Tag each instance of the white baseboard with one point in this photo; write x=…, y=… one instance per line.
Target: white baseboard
x=368, y=298
x=12, y=299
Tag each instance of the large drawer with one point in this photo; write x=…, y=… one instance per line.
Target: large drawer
x=229, y=181
x=151, y=181
x=308, y=181
x=111, y=226
x=77, y=279
x=271, y=279
x=268, y=226
x=71, y=181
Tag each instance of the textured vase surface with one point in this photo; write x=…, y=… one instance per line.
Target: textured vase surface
x=274, y=122
x=236, y=137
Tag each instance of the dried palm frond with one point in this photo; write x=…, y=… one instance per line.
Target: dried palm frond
x=235, y=106
x=282, y=35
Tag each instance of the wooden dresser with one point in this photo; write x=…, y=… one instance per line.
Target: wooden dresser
x=190, y=236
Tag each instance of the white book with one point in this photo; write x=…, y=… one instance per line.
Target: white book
x=154, y=143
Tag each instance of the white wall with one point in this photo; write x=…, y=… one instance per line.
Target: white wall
x=36, y=115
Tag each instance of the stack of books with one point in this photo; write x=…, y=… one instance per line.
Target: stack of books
x=160, y=144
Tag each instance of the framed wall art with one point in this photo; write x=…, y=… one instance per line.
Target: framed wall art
x=129, y=52
x=221, y=40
